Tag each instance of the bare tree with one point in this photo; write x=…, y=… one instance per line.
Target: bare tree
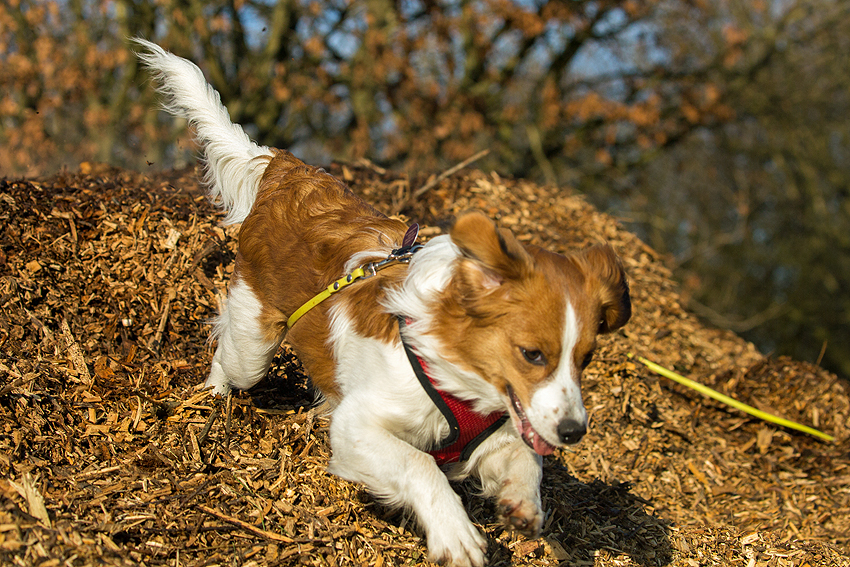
x=755, y=208
x=410, y=84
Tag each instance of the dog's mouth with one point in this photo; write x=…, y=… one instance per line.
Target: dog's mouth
x=528, y=433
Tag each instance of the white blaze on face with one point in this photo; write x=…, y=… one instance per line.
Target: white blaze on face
x=559, y=397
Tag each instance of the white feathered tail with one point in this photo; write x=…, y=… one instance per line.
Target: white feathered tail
x=234, y=164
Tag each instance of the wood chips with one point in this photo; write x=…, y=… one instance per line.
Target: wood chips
x=111, y=454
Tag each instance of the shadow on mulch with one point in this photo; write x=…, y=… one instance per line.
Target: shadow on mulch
x=583, y=521
x=590, y=517
x=285, y=387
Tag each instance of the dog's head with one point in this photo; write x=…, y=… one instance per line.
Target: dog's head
x=526, y=321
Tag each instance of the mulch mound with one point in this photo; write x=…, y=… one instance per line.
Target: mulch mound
x=111, y=453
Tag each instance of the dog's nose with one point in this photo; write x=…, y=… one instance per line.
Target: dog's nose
x=571, y=431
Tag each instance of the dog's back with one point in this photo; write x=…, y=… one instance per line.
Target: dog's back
x=306, y=229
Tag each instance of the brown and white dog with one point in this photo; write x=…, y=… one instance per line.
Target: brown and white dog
x=503, y=328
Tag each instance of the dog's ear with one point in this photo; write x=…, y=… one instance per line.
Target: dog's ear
x=609, y=284
x=495, y=252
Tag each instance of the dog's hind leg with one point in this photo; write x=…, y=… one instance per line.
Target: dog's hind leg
x=246, y=346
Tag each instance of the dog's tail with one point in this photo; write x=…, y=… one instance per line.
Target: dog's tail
x=234, y=164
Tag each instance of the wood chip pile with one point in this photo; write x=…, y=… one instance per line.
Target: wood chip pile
x=111, y=453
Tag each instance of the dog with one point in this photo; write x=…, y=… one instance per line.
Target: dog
x=460, y=357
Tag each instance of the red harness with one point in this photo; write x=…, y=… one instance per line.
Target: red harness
x=467, y=428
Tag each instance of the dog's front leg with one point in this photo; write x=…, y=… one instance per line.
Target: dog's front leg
x=512, y=475
x=399, y=474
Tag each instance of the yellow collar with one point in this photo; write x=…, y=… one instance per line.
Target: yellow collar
x=398, y=256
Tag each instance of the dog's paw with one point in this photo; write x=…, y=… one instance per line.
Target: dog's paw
x=523, y=516
x=457, y=544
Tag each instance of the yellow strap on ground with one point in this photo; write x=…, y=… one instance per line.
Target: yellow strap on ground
x=706, y=391
x=342, y=282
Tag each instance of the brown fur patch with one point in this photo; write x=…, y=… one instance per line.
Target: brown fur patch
x=304, y=227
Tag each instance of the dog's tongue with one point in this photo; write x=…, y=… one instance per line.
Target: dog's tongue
x=534, y=440
x=528, y=433
x=540, y=446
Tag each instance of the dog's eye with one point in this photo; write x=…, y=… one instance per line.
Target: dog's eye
x=534, y=356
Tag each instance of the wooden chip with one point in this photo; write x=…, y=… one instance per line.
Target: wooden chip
x=35, y=502
x=75, y=353
x=245, y=525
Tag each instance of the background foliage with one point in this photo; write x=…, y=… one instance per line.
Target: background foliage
x=716, y=127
